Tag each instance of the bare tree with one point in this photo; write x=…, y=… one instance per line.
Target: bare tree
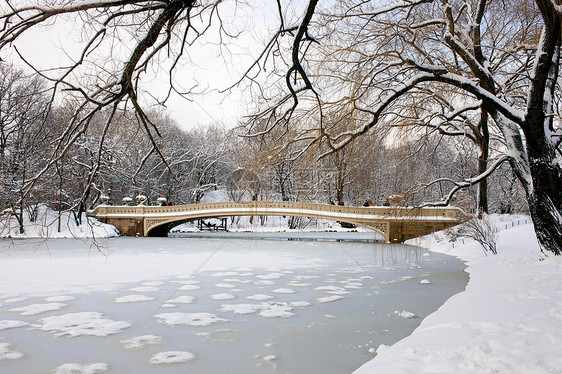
x=24, y=135
x=142, y=31
x=501, y=56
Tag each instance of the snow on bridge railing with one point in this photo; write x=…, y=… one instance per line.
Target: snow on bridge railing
x=390, y=211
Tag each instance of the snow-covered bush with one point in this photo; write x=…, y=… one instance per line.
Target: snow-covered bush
x=483, y=232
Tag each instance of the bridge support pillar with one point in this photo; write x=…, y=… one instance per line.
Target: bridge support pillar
x=127, y=226
x=395, y=233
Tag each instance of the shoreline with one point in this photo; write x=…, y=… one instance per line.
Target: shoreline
x=506, y=320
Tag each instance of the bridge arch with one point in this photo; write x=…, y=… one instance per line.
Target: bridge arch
x=162, y=227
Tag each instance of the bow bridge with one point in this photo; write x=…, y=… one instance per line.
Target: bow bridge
x=395, y=224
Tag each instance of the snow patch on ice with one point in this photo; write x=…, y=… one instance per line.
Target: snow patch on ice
x=144, y=289
x=405, y=314
x=269, y=309
x=270, y=276
x=353, y=285
x=139, y=342
x=73, y=368
x=189, y=319
x=6, y=353
x=299, y=304
x=182, y=299
x=284, y=290
x=236, y=280
x=133, y=299
x=264, y=283
x=223, y=296
x=298, y=284
x=80, y=324
x=240, y=308
x=328, y=288
x=189, y=287
x=11, y=324
x=332, y=290
x=306, y=277
x=153, y=283
x=328, y=299
x=275, y=310
x=33, y=309
x=172, y=357
x=260, y=297
x=224, y=285
x=225, y=274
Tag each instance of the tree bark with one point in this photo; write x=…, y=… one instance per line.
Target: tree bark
x=545, y=196
x=545, y=205
x=482, y=186
x=484, y=144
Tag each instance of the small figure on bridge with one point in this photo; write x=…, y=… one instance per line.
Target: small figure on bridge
x=368, y=203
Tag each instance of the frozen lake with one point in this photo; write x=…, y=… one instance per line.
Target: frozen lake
x=212, y=305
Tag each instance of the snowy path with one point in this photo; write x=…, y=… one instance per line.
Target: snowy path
x=509, y=319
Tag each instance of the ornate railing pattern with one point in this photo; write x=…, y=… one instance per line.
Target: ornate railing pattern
x=250, y=206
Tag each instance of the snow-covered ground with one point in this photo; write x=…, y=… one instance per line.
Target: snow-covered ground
x=509, y=319
x=46, y=225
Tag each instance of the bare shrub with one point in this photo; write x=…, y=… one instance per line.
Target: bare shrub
x=483, y=232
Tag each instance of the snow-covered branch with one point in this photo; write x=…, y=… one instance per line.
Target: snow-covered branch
x=464, y=184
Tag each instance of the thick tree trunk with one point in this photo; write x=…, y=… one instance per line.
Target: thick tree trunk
x=541, y=177
x=483, y=186
x=20, y=220
x=484, y=145
x=545, y=205
x=545, y=197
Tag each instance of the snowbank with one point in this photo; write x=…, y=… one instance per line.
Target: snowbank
x=46, y=225
x=509, y=319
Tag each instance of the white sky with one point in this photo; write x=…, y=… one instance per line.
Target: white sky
x=208, y=65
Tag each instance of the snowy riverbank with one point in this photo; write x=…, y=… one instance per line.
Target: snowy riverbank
x=46, y=225
x=509, y=319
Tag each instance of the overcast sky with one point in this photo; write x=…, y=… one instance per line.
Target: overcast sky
x=208, y=66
